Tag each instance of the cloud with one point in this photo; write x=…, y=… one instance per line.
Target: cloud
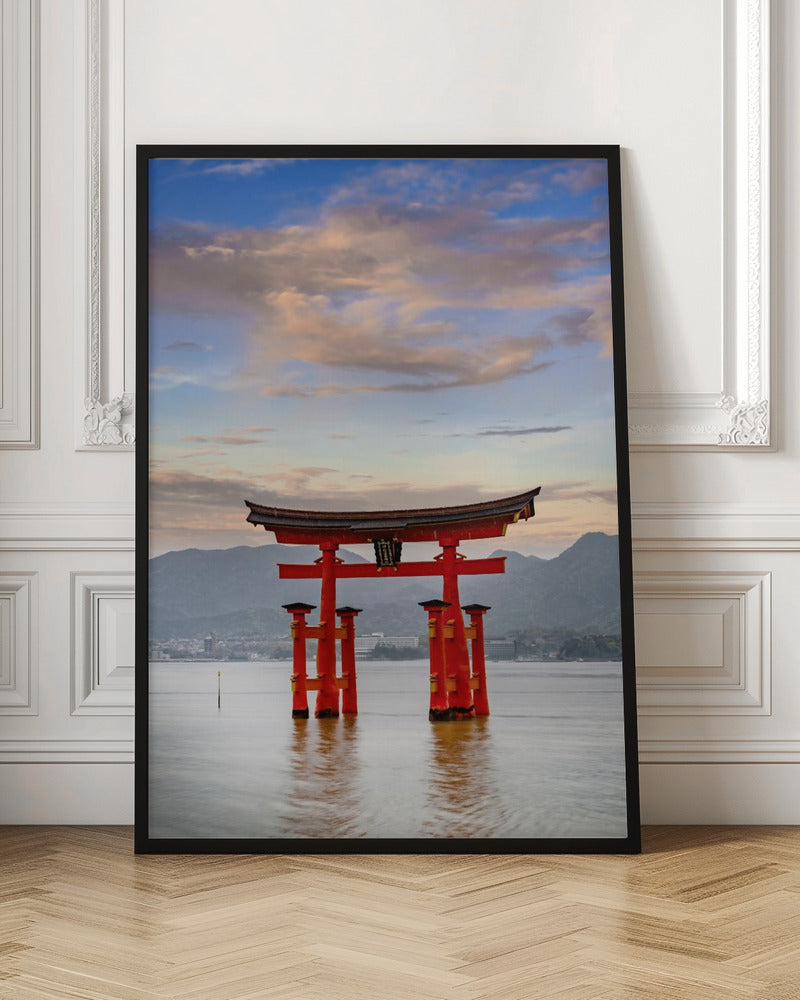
x=310, y=488
x=519, y=431
x=418, y=183
x=226, y=439
x=170, y=377
x=187, y=345
x=244, y=168
x=441, y=183
x=581, y=490
x=188, y=508
x=580, y=176
x=520, y=190
x=496, y=374
x=405, y=276
x=388, y=256
x=204, y=503
x=248, y=430
x=609, y=496
x=417, y=357
x=507, y=431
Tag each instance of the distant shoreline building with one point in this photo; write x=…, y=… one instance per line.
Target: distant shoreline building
x=501, y=649
x=367, y=643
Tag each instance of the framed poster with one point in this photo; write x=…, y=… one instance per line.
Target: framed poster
x=384, y=554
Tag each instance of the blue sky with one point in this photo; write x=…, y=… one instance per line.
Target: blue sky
x=370, y=334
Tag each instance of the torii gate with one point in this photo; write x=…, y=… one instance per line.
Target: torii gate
x=456, y=692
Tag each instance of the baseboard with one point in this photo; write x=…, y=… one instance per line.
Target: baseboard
x=66, y=794
x=712, y=794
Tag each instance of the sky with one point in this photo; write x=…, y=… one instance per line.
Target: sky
x=369, y=334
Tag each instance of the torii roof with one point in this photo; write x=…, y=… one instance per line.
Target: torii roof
x=488, y=519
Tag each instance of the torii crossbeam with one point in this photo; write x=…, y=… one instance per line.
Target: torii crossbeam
x=387, y=530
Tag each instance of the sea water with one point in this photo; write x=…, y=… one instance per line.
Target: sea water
x=548, y=762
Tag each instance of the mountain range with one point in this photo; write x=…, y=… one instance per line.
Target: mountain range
x=237, y=592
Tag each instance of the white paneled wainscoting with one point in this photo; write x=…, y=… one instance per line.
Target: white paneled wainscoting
x=66, y=663
x=716, y=588
x=718, y=689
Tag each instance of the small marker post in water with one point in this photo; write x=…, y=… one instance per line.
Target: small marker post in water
x=219, y=675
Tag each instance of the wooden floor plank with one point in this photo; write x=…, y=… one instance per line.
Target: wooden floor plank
x=709, y=912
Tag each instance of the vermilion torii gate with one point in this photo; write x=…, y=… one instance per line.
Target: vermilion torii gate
x=456, y=691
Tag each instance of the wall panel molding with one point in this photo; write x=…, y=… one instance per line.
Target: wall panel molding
x=739, y=417
x=19, y=666
x=66, y=751
x=703, y=643
x=740, y=751
x=71, y=525
x=106, y=376
x=102, y=660
x=715, y=526
x=19, y=210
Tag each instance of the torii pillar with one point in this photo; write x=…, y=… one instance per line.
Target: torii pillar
x=439, y=710
x=348, y=637
x=298, y=611
x=456, y=653
x=476, y=613
x=328, y=694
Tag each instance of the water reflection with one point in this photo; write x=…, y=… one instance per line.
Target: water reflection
x=462, y=800
x=324, y=786
x=548, y=762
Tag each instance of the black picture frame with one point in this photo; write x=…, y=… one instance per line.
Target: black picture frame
x=149, y=840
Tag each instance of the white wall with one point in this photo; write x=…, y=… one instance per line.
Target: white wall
x=717, y=545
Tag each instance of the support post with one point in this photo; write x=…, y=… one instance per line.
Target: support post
x=456, y=652
x=349, y=690
x=328, y=694
x=439, y=709
x=298, y=611
x=479, y=692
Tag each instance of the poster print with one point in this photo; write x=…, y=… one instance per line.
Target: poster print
x=384, y=538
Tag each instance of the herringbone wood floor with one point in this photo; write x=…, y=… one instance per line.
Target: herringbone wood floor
x=704, y=914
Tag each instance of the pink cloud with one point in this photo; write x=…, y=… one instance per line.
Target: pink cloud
x=226, y=439
x=371, y=286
